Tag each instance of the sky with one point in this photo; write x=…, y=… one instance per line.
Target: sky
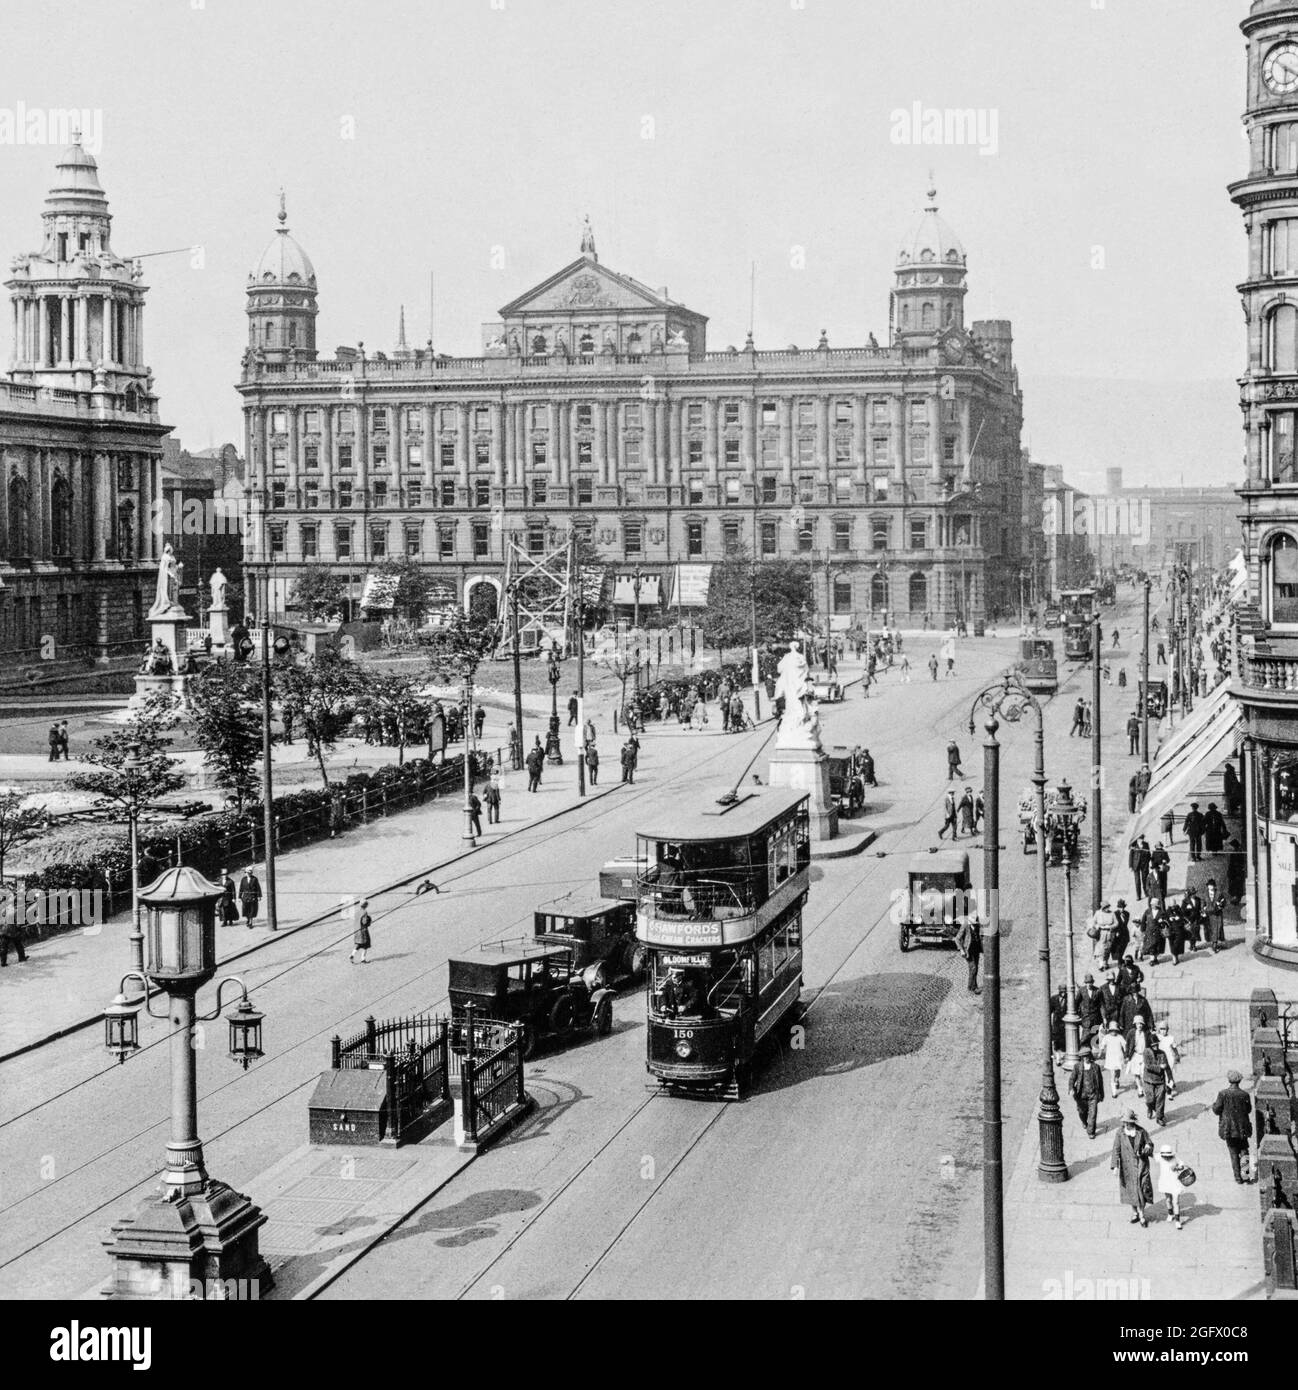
x=464, y=140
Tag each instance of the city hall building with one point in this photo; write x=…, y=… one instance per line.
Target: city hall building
x=80, y=445
x=596, y=406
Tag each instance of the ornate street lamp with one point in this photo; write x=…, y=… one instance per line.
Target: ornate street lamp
x=553, y=744
x=196, y=1232
x=1068, y=815
x=1011, y=699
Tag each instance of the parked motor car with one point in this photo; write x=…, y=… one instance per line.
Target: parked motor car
x=601, y=935
x=938, y=898
x=829, y=689
x=531, y=983
x=1053, y=617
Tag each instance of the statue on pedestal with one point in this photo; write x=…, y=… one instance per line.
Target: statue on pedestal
x=167, y=597
x=218, y=582
x=800, y=722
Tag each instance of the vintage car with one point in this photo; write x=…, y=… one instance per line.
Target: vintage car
x=1053, y=617
x=846, y=787
x=829, y=689
x=530, y=983
x=601, y=934
x=938, y=898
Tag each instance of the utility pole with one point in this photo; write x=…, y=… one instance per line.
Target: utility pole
x=579, y=609
x=1144, y=686
x=1097, y=801
x=993, y=1181
x=267, y=799
x=518, y=671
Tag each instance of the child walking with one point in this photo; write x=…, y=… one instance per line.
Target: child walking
x=361, y=936
x=1169, y=1183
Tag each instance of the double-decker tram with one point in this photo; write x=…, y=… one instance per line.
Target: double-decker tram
x=1078, y=606
x=1037, y=665
x=720, y=895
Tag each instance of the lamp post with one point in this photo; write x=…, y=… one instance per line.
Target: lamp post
x=1097, y=802
x=553, y=749
x=1011, y=699
x=1068, y=812
x=196, y=1231
x=466, y=697
x=133, y=765
x=1144, y=685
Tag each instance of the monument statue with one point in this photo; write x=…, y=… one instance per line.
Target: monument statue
x=218, y=582
x=167, y=597
x=800, y=722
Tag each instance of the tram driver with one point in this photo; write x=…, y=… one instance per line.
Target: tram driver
x=681, y=993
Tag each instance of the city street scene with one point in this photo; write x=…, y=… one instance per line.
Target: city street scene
x=670, y=674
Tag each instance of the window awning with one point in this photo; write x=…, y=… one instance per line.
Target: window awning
x=692, y=582
x=624, y=589
x=1178, y=779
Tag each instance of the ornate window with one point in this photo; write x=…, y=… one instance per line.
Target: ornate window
x=918, y=592
x=1282, y=148
x=19, y=519
x=1282, y=339
x=1282, y=446
x=1282, y=556
x=126, y=530
x=878, y=591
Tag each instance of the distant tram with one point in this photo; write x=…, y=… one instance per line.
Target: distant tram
x=1078, y=607
x=1037, y=665
x=720, y=895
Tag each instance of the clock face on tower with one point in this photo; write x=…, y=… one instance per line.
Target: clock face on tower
x=1280, y=68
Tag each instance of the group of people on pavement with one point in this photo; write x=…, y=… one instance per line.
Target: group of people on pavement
x=245, y=896
x=962, y=816
x=58, y=739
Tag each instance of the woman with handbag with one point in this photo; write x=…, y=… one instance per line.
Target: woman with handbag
x=1172, y=1177
x=1132, y=1148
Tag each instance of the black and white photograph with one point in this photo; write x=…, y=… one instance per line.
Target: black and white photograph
x=649, y=653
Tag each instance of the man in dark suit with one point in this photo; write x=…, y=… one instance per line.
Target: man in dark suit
x=1087, y=1086
x=1133, y=736
x=249, y=894
x=1138, y=859
x=1111, y=1000
x=969, y=942
x=1090, y=1011
x=1133, y=1006
x=1235, y=1121
x=1194, y=826
x=1160, y=864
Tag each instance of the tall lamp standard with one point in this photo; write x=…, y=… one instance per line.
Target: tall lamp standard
x=466, y=698
x=1097, y=802
x=132, y=767
x=553, y=748
x=1067, y=812
x=1011, y=699
x=1144, y=686
x=195, y=1232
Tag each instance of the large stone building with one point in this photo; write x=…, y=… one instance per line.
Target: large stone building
x=80, y=443
x=596, y=405
x=1266, y=684
x=1148, y=528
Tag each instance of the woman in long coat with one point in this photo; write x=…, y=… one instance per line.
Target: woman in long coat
x=1132, y=1148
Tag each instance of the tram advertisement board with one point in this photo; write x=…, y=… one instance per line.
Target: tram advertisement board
x=665, y=933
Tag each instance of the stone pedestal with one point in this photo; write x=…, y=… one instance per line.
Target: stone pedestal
x=168, y=628
x=218, y=627
x=807, y=770
x=202, y=1246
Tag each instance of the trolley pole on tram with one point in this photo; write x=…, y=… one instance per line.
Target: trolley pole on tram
x=1097, y=774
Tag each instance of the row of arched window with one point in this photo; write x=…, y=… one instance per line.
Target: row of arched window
x=20, y=518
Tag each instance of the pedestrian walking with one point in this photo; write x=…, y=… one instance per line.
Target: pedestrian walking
x=1192, y=916
x=1103, y=926
x=1169, y=1183
x=1089, y=1008
x=1138, y=861
x=1214, y=917
x=628, y=762
x=1122, y=677
x=535, y=762
x=1058, y=1008
x=228, y=909
x=11, y=935
x=1236, y=872
x=249, y=895
x=969, y=943
x=491, y=799
x=1214, y=830
x=905, y=669
x=1234, y=1113
x=1114, y=1054
x=1079, y=718
x=1115, y=637
x=592, y=763
x=1174, y=932
x=1162, y=655
x=1135, y=1043
x=1131, y=977
x=475, y=814
x=966, y=808
x=54, y=741
x=1087, y=1086
x=1193, y=825
x=1160, y=863
x=1136, y=1008
x=63, y=739
x=953, y=768
x=574, y=708
x=1133, y=735
x=361, y=936
x=1155, y=1077
x=1132, y=1148
x=1151, y=932
x=1121, y=931
x=479, y=719
x=948, y=815
x=1233, y=791
x=1086, y=718
x=932, y=665
x=1167, y=1042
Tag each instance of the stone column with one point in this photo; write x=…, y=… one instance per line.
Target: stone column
x=859, y=438
x=710, y=436
x=294, y=460
x=822, y=438
x=510, y=462
x=649, y=439
x=897, y=440
x=100, y=503
x=674, y=417
x=43, y=328
x=570, y=462
x=148, y=468
x=82, y=352
x=747, y=449
x=616, y=442
x=785, y=420
x=327, y=454
x=662, y=430
x=966, y=458
x=361, y=456
x=601, y=442
x=397, y=449
x=430, y=449
x=554, y=441
x=462, y=441
x=935, y=438
x=38, y=492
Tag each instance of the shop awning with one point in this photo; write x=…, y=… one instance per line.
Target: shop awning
x=624, y=589
x=692, y=582
x=1176, y=780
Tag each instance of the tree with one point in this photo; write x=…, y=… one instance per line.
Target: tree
x=412, y=594
x=226, y=724
x=157, y=774
x=317, y=592
x=18, y=824
x=458, y=648
x=321, y=695
x=621, y=666
x=396, y=703
x=778, y=589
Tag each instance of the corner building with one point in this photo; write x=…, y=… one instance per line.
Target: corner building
x=80, y=445
x=894, y=471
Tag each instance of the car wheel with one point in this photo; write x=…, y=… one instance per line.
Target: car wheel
x=562, y=1015
x=602, y=1022
x=903, y=939
x=529, y=1042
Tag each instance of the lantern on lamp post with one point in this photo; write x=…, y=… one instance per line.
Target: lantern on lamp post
x=1066, y=816
x=553, y=744
x=196, y=1233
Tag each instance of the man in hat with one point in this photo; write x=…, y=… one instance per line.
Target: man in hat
x=1090, y=1013
x=1133, y=1006
x=1138, y=861
x=969, y=943
x=249, y=894
x=1087, y=1086
x=1110, y=999
x=1121, y=931
x=1214, y=917
x=1157, y=1076
x=1160, y=863
x=1214, y=829
x=1234, y=1121
x=953, y=768
x=228, y=912
x=1104, y=923
x=1133, y=737
x=1194, y=823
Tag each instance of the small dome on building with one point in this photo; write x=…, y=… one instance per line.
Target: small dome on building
x=932, y=242
x=76, y=183
x=283, y=262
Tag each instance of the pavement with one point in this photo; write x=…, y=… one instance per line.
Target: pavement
x=1075, y=1240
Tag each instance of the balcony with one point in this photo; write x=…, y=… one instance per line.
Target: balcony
x=1273, y=674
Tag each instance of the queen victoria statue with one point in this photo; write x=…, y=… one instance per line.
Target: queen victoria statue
x=800, y=722
x=167, y=598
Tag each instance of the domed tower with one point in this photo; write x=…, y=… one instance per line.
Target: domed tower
x=929, y=295
x=282, y=305
x=78, y=308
